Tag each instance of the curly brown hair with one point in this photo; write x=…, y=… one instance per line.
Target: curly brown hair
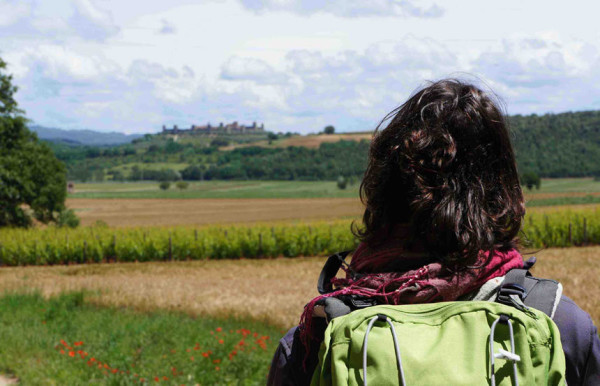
x=445, y=166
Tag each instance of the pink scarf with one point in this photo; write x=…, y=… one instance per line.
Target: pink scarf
x=392, y=275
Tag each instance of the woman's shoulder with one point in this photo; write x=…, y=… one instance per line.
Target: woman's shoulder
x=580, y=342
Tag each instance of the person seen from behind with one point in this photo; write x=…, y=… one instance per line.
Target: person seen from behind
x=443, y=211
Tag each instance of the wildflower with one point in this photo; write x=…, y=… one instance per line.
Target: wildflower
x=114, y=371
x=205, y=354
x=43, y=322
x=62, y=352
x=156, y=379
x=216, y=361
x=165, y=378
x=219, y=329
x=217, y=368
x=173, y=351
x=71, y=353
x=221, y=341
x=192, y=359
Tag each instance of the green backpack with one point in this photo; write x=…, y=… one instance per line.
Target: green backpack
x=449, y=343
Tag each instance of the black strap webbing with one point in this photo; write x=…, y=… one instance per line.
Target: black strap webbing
x=534, y=292
x=330, y=269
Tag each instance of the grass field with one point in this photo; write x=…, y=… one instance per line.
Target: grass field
x=574, y=189
x=66, y=341
x=216, y=189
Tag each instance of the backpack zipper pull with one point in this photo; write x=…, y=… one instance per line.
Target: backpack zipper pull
x=518, y=304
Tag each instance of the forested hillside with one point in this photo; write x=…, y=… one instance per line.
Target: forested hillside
x=552, y=145
x=558, y=145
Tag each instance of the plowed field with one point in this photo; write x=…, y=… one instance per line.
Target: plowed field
x=167, y=212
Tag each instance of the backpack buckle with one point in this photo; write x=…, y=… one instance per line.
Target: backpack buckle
x=507, y=290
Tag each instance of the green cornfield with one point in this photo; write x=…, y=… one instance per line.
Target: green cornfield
x=50, y=245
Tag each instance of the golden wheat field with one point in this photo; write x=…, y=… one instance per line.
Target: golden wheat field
x=166, y=212
x=273, y=291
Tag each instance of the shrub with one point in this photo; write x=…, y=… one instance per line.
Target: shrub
x=67, y=218
x=219, y=142
x=531, y=179
x=342, y=182
x=165, y=185
x=181, y=185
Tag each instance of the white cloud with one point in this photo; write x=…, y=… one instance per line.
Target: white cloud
x=347, y=8
x=91, y=21
x=237, y=68
x=167, y=28
x=13, y=11
x=297, y=65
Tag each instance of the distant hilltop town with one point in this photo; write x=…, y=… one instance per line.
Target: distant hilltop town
x=230, y=128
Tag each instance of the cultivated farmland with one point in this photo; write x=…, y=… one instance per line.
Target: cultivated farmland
x=169, y=212
x=272, y=291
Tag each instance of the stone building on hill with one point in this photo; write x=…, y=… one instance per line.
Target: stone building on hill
x=230, y=128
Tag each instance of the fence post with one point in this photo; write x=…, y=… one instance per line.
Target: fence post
x=114, y=246
x=584, y=230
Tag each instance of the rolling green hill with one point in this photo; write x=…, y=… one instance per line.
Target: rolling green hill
x=551, y=145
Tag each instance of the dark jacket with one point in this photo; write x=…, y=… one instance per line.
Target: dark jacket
x=578, y=335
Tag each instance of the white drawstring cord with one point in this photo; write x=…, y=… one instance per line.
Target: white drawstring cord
x=503, y=354
x=396, y=347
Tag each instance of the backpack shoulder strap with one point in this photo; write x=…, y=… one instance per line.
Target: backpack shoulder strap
x=330, y=269
x=541, y=294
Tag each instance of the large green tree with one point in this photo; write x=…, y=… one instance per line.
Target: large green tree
x=32, y=180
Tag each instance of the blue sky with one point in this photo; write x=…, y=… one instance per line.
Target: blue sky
x=133, y=66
